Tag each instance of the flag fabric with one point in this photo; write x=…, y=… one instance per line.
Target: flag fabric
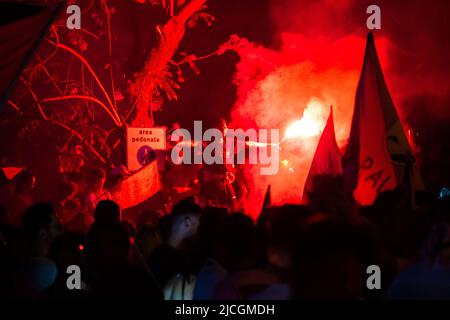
x=138, y=187
x=22, y=27
x=378, y=156
x=327, y=158
x=11, y=172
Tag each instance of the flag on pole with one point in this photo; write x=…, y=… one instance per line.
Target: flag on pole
x=138, y=187
x=11, y=172
x=327, y=158
x=378, y=156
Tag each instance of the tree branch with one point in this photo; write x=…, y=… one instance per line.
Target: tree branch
x=88, y=98
x=188, y=9
x=115, y=116
x=171, y=34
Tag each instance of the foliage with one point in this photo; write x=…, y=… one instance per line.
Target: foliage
x=75, y=84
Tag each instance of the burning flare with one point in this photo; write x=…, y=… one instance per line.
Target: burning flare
x=310, y=124
x=302, y=128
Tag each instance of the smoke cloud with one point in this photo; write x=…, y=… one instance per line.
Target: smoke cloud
x=319, y=49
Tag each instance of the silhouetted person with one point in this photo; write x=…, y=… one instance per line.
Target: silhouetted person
x=95, y=181
x=111, y=275
x=212, y=240
x=21, y=198
x=428, y=278
x=330, y=261
x=147, y=240
x=66, y=250
x=40, y=227
x=107, y=212
x=67, y=205
x=172, y=257
x=247, y=276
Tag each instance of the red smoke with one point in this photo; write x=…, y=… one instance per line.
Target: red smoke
x=301, y=79
x=317, y=65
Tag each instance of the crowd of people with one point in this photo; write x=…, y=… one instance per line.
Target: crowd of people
x=319, y=251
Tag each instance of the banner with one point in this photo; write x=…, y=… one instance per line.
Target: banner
x=138, y=187
x=327, y=158
x=378, y=156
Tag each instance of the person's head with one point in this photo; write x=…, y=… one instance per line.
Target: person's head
x=242, y=242
x=66, y=250
x=389, y=200
x=107, y=212
x=25, y=182
x=95, y=179
x=40, y=226
x=147, y=239
x=330, y=196
x=107, y=246
x=281, y=230
x=117, y=174
x=149, y=217
x=164, y=226
x=76, y=178
x=65, y=191
x=185, y=221
x=330, y=261
x=212, y=233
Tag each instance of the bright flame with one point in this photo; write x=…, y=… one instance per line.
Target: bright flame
x=310, y=124
x=305, y=127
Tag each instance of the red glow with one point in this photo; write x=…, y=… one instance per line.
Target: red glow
x=291, y=90
x=309, y=125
